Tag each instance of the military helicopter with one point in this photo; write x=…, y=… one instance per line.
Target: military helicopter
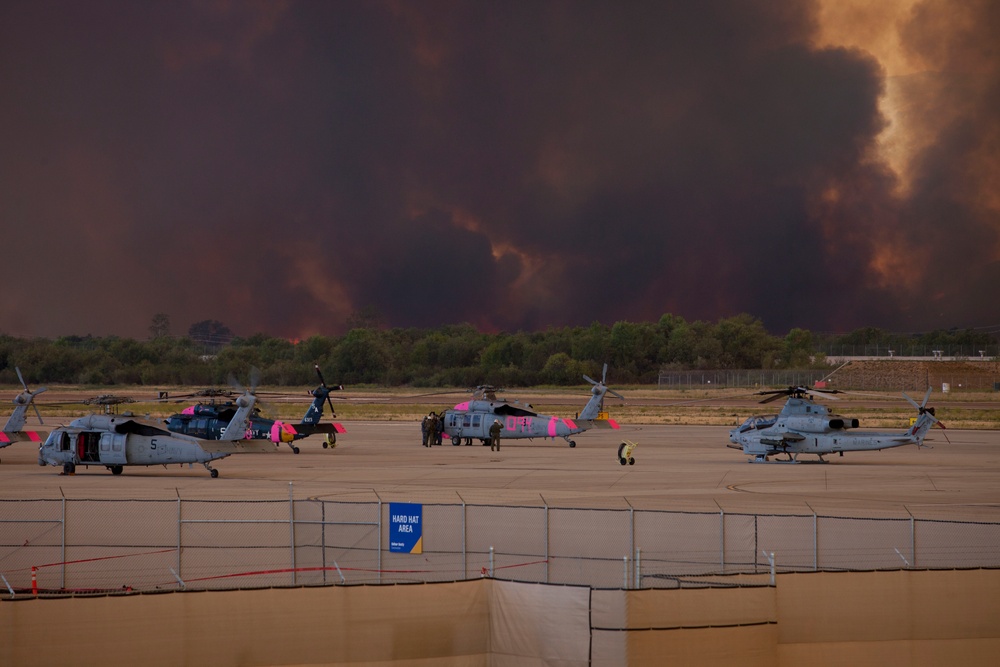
x=208, y=420
x=473, y=419
x=805, y=427
x=13, y=429
x=116, y=441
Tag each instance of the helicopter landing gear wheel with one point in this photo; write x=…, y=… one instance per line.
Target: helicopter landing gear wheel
x=456, y=440
x=330, y=441
x=69, y=468
x=116, y=470
x=211, y=470
x=622, y=461
x=295, y=449
x=631, y=461
x=572, y=443
x=215, y=473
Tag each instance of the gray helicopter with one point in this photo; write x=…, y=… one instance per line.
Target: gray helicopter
x=805, y=427
x=473, y=419
x=13, y=430
x=115, y=441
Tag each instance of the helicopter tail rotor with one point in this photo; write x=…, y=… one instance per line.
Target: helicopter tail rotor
x=327, y=389
x=922, y=408
x=28, y=396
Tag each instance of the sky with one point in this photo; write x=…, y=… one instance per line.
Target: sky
x=280, y=166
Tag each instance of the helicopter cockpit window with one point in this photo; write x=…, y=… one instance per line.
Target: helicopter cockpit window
x=758, y=422
x=476, y=420
x=766, y=421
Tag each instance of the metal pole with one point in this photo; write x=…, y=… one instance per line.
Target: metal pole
x=62, y=567
x=379, y=539
x=465, y=553
x=815, y=539
x=179, y=524
x=625, y=572
x=770, y=558
x=491, y=561
x=631, y=520
x=722, y=535
x=291, y=527
x=638, y=568
x=913, y=536
x=546, y=537
x=322, y=539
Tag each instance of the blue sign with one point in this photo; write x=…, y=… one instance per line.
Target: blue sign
x=405, y=523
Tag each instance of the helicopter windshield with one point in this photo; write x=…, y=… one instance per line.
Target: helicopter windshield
x=758, y=422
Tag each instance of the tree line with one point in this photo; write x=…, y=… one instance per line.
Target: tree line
x=451, y=355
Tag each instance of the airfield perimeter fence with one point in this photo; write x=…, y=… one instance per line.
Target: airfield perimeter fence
x=65, y=546
x=740, y=378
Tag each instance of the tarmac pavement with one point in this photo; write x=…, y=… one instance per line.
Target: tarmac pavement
x=677, y=468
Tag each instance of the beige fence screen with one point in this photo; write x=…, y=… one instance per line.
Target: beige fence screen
x=851, y=618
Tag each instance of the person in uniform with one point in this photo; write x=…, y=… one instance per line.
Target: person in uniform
x=424, y=430
x=439, y=429
x=432, y=429
x=495, y=435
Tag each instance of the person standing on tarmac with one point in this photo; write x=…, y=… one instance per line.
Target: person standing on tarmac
x=495, y=435
x=432, y=429
x=439, y=429
x=425, y=430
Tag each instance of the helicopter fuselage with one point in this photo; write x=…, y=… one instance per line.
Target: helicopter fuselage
x=804, y=427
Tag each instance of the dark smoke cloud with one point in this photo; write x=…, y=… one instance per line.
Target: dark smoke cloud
x=280, y=165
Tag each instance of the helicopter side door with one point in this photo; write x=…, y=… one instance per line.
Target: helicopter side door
x=113, y=448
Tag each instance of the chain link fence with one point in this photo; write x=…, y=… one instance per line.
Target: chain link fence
x=82, y=546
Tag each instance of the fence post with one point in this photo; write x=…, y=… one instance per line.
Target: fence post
x=180, y=517
x=631, y=520
x=465, y=556
x=546, y=537
x=815, y=539
x=379, y=561
x=62, y=568
x=722, y=535
x=770, y=558
x=638, y=568
x=913, y=536
x=625, y=572
x=291, y=527
x=322, y=541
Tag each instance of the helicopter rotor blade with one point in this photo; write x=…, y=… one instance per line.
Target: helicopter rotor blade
x=912, y=402
x=616, y=394
x=21, y=378
x=590, y=379
x=604, y=374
